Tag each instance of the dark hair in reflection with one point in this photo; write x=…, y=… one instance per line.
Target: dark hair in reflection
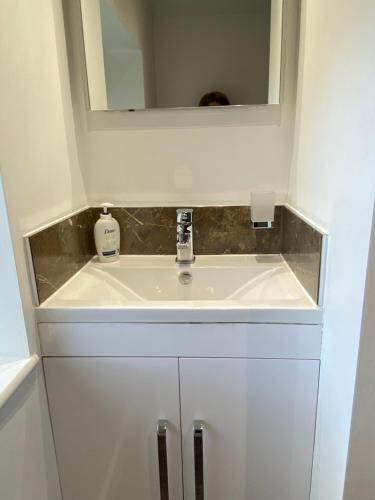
x=214, y=99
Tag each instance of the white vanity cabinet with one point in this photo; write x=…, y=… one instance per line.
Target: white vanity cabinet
x=258, y=427
x=105, y=413
x=246, y=427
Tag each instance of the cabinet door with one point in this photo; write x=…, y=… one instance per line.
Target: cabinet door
x=104, y=414
x=258, y=427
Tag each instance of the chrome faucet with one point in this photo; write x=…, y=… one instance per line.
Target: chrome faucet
x=185, y=250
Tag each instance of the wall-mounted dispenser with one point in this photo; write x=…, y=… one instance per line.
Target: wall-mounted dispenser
x=262, y=210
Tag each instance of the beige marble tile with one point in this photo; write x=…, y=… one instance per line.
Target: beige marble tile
x=302, y=249
x=59, y=251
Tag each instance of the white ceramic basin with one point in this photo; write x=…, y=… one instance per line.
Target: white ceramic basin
x=157, y=283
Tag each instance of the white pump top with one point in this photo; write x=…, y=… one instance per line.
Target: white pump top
x=105, y=214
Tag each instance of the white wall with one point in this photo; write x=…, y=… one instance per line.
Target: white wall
x=275, y=51
x=13, y=338
x=93, y=40
x=360, y=477
x=38, y=153
x=123, y=62
x=199, y=53
x=124, y=78
x=137, y=16
x=39, y=162
x=333, y=182
x=27, y=463
x=185, y=157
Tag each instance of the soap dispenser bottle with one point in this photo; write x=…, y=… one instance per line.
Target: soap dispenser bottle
x=107, y=236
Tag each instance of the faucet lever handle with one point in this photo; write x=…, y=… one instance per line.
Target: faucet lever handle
x=184, y=216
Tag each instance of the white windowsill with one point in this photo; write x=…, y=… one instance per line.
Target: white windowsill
x=12, y=373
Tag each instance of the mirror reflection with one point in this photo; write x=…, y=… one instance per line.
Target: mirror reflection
x=144, y=54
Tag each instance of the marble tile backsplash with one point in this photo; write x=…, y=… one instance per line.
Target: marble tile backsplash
x=301, y=247
x=59, y=251
x=217, y=230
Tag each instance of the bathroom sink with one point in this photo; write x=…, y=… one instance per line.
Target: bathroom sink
x=231, y=278
x=156, y=285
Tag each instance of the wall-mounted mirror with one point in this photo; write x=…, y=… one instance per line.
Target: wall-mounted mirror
x=144, y=54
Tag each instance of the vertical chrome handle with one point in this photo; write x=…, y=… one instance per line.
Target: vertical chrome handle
x=198, y=460
x=163, y=459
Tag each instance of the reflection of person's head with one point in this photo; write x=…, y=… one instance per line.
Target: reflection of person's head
x=214, y=99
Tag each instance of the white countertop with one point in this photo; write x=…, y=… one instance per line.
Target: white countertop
x=148, y=289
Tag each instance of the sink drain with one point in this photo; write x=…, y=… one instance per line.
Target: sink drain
x=185, y=278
